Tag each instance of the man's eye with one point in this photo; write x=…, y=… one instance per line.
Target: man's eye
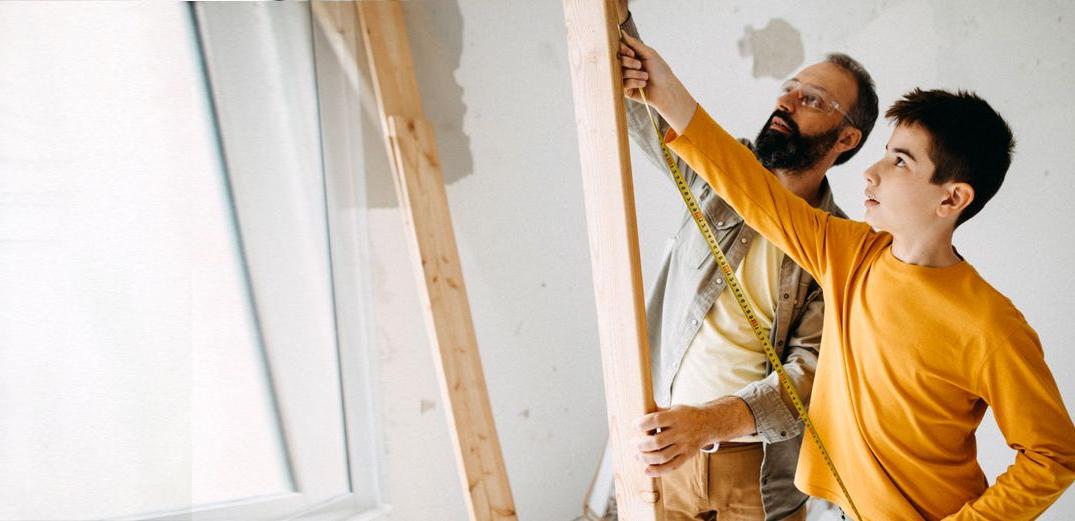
x=812, y=101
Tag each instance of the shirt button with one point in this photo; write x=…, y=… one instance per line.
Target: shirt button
x=779, y=343
x=720, y=281
x=783, y=433
x=786, y=296
x=720, y=223
x=694, y=322
x=743, y=240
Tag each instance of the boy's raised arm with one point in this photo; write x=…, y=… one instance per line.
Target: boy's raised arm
x=806, y=234
x=811, y=237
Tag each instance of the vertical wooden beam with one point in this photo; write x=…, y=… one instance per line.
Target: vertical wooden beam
x=339, y=24
x=592, y=41
x=420, y=187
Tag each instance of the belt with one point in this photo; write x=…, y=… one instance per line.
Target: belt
x=736, y=444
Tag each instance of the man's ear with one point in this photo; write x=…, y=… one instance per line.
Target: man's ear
x=850, y=138
x=957, y=197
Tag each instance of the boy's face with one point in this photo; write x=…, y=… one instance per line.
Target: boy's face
x=899, y=195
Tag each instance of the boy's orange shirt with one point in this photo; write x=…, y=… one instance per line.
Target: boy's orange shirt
x=910, y=358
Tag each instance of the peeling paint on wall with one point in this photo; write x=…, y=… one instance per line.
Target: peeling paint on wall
x=777, y=49
x=426, y=405
x=435, y=31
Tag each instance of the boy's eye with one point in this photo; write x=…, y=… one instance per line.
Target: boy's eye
x=900, y=162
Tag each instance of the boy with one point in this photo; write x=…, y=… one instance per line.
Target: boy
x=916, y=343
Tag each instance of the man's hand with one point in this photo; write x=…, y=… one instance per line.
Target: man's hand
x=643, y=68
x=684, y=429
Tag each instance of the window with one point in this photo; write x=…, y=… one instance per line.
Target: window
x=183, y=309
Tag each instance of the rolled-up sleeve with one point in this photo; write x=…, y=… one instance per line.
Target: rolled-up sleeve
x=774, y=415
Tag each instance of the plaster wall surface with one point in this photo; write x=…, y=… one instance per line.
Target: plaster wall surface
x=494, y=80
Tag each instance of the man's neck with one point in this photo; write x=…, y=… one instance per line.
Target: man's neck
x=803, y=183
x=931, y=248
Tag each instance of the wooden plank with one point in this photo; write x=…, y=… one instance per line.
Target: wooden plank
x=389, y=53
x=339, y=24
x=420, y=187
x=592, y=39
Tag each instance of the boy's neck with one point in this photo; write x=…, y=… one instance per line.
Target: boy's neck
x=928, y=248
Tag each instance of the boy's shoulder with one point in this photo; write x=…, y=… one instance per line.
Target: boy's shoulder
x=996, y=316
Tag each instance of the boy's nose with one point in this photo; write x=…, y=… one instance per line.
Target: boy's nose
x=870, y=174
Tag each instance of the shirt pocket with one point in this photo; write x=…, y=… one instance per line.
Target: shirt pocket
x=697, y=249
x=809, y=291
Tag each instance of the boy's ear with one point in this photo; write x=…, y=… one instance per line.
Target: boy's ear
x=957, y=197
x=849, y=138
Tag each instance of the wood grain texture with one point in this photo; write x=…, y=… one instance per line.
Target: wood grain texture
x=610, y=214
x=420, y=186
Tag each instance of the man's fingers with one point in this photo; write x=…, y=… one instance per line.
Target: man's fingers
x=654, y=471
x=625, y=50
x=633, y=85
x=636, y=45
x=635, y=75
x=660, y=457
x=652, y=421
x=654, y=442
x=630, y=63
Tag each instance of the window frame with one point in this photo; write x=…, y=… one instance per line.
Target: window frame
x=336, y=155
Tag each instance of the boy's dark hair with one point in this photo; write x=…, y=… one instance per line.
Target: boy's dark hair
x=863, y=114
x=970, y=142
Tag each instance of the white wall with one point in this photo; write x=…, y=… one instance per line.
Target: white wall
x=519, y=220
x=510, y=155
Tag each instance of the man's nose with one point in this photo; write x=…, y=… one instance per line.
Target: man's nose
x=788, y=101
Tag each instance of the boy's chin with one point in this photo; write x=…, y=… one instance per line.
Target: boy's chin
x=873, y=223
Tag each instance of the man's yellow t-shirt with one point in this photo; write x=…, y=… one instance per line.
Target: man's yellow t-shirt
x=724, y=355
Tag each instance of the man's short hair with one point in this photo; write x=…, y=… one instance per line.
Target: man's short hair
x=863, y=114
x=969, y=141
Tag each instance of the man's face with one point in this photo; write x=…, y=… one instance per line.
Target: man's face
x=899, y=194
x=797, y=137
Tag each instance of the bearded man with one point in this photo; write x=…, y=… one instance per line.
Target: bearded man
x=730, y=436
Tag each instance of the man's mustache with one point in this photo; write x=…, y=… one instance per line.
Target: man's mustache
x=786, y=117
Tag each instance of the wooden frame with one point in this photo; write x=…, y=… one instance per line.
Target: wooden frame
x=592, y=41
x=420, y=187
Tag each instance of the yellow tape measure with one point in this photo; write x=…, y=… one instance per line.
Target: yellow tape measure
x=737, y=291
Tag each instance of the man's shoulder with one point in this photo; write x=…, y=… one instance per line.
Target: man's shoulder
x=828, y=202
x=835, y=209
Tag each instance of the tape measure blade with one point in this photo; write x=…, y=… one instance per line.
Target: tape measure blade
x=733, y=284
